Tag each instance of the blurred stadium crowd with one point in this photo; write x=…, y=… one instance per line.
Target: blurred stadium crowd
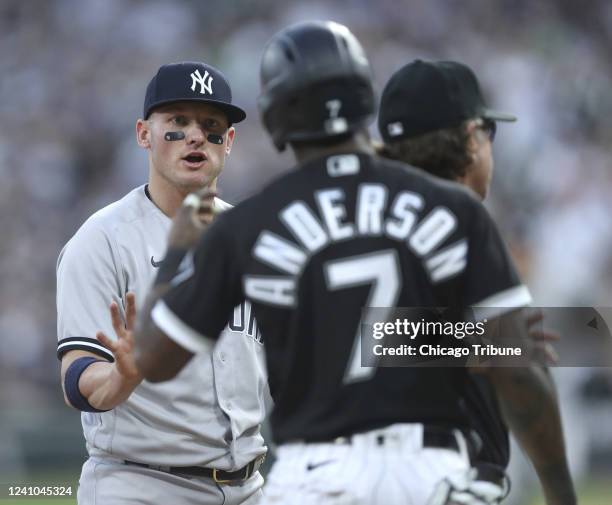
x=72, y=81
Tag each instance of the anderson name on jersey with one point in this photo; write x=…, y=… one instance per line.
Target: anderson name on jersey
x=374, y=215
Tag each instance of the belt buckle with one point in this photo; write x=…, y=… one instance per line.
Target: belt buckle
x=249, y=470
x=258, y=461
x=219, y=480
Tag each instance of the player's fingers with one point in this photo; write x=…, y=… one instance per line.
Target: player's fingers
x=116, y=319
x=546, y=354
x=106, y=342
x=207, y=193
x=202, y=198
x=206, y=198
x=206, y=208
x=130, y=310
x=205, y=216
x=536, y=316
x=191, y=209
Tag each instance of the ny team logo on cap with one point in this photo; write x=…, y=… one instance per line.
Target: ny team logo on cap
x=191, y=81
x=205, y=82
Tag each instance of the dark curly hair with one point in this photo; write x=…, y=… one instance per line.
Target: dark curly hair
x=443, y=153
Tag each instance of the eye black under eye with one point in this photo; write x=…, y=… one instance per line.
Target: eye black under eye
x=215, y=139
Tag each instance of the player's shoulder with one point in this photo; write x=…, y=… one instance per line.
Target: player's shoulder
x=233, y=217
x=225, y=213
x=255, y=208
x=239, y=225
x=106, y=221
x=132, y=206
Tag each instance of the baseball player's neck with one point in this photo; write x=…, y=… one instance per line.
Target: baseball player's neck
x=359, y=142
x=168, y=197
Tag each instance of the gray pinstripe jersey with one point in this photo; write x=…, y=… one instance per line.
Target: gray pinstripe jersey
x=210, y=414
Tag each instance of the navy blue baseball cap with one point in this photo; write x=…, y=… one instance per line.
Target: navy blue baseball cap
x=191, y=81
x=424, y=96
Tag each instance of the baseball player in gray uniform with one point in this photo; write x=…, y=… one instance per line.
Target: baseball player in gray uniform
x=195, y=439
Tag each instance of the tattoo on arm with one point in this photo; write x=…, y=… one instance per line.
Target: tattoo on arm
x=528, y=400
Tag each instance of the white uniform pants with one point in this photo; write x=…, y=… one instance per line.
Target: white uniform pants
x=110, y=482
x=388, y=466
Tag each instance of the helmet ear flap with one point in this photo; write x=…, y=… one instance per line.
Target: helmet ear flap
x=316, y=84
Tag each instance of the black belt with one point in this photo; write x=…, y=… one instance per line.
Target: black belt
x=440, y=438
x=219, y=476
x=433, y=437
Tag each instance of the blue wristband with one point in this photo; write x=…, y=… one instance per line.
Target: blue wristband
x=71, y=384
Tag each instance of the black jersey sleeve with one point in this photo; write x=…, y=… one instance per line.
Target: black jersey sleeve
x=205, y=293
x=491, y=279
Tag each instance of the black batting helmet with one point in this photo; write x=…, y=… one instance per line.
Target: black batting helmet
x=316, y=83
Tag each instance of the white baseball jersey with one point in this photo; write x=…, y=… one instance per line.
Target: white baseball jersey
x=210, y=414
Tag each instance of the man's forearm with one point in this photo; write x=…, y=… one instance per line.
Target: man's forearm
x=146, y=337
x=157, y=357
x=529, y=402
x=104, y=387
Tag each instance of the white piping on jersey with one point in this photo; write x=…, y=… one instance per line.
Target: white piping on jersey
x=85, y=343
x=181, y=333
x=221, y=206
x=502, y=302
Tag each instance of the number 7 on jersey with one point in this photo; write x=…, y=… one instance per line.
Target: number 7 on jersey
x=382, y=271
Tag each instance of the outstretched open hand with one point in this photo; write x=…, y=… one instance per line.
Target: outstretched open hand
x=123, y=347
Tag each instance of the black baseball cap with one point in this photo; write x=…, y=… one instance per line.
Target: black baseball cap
x=424, y=96
x=191, y=81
